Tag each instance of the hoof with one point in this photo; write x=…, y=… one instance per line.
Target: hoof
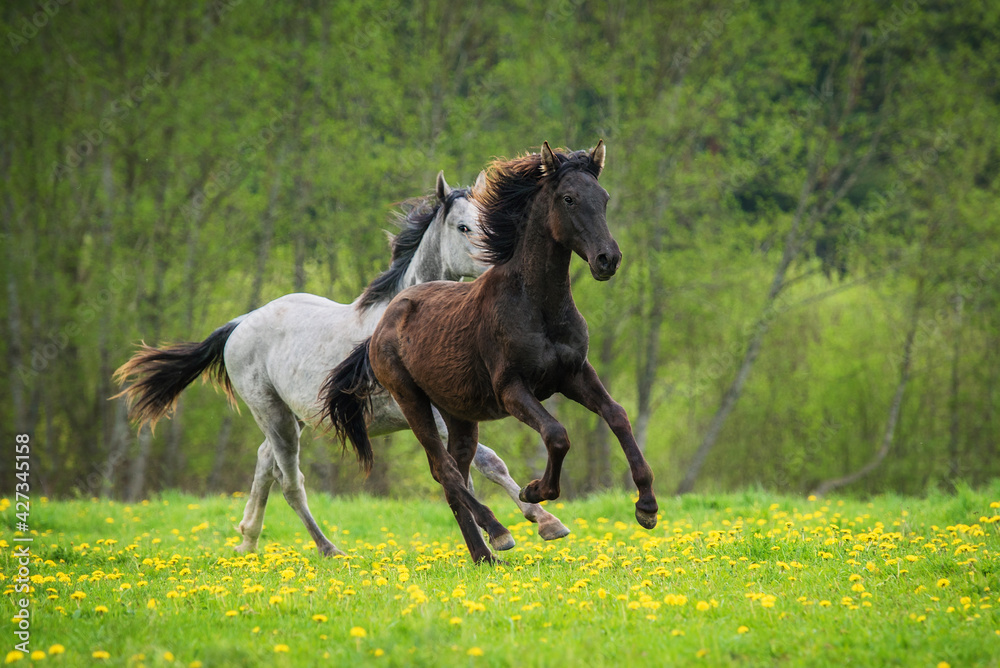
x=553, y=530
x=244, y=548
x=646, y=520
x=502, y=542
x=331, y=550
x=491, y=561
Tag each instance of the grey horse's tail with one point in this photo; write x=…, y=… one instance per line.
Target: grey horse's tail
x=346, y=400
x=160, y=374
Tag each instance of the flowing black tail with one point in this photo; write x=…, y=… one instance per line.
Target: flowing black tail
x=346, y=400
x=161, y=374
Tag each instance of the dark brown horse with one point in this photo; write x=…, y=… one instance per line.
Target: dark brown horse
x=499, y=345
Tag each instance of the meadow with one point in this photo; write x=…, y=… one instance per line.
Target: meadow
x=741, y=579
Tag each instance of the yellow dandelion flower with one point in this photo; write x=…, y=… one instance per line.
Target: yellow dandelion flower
x=278, y=649
x=319, y=618
x=702, y=606
x=379, y=652
x=701, y=653
x=100, y=609
x=168, y=656
x=13, y=656
x=943, y=582
x=231, y=613
x=151, y=604
x=743, y=629
x=78, y=596
x=37, y=655
x=676, y=632
x=475, y=651
x=455, y=621
x=56, y=649
x=194, y=664
x=943, y=664
x=358, y=632
x=100, y=654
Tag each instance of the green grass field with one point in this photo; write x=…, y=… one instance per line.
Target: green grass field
x=741, y=579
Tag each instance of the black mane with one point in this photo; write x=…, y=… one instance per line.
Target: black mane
x=511, y=186
x=415, y=217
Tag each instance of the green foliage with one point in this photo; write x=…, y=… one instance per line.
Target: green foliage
x=169, y=166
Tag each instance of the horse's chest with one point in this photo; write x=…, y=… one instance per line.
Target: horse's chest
x=554, y=359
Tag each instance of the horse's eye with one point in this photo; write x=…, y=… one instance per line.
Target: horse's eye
x=463, y=228
x=568, y=199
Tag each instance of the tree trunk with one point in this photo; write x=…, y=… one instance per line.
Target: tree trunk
x=954, y=407
x=894, y=408
x=598, y=441
x=215, y=482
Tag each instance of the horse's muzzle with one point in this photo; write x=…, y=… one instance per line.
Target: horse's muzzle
x=605, y=265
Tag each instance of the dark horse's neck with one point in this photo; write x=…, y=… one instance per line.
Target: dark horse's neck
x=540, y=264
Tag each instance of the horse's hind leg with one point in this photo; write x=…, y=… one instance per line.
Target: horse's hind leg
x=253, y=514
x=417, y=408
x=463, y=437
x=282, y=431
x=490, y=465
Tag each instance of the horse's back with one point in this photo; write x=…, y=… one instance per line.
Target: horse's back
x=435, y=333
x=285, y=348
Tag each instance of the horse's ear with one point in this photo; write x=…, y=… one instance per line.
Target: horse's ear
x=549, y=164
x=443, y=189
x=597, y=156
x=480, y=184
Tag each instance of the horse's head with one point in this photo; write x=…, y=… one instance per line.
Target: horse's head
x=459, y=227
x=577, y=210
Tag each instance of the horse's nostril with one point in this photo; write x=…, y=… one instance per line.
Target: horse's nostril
x=602, y=261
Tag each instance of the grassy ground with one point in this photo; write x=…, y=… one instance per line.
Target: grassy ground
x=747, y=579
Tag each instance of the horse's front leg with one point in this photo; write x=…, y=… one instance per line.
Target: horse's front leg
x=519, y=401
x=586, y=389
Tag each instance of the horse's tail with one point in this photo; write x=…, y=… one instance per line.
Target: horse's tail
x=161, y=374
x=346, y=400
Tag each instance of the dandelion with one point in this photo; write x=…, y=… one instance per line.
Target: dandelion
x=13, y=656
x=379, y=652
x=702, y=606
x=78, y=596
x=100, y=654
x=168, y=656
x=358, y=632
x=281, y=649
x=943, y=582
x=37, y=655
x=56, y=649
x=100, y=609
x=475, y=651
x=319, y=618
x=231, y=613
x=743, y=629
x=151, y=604
x=455, y=621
